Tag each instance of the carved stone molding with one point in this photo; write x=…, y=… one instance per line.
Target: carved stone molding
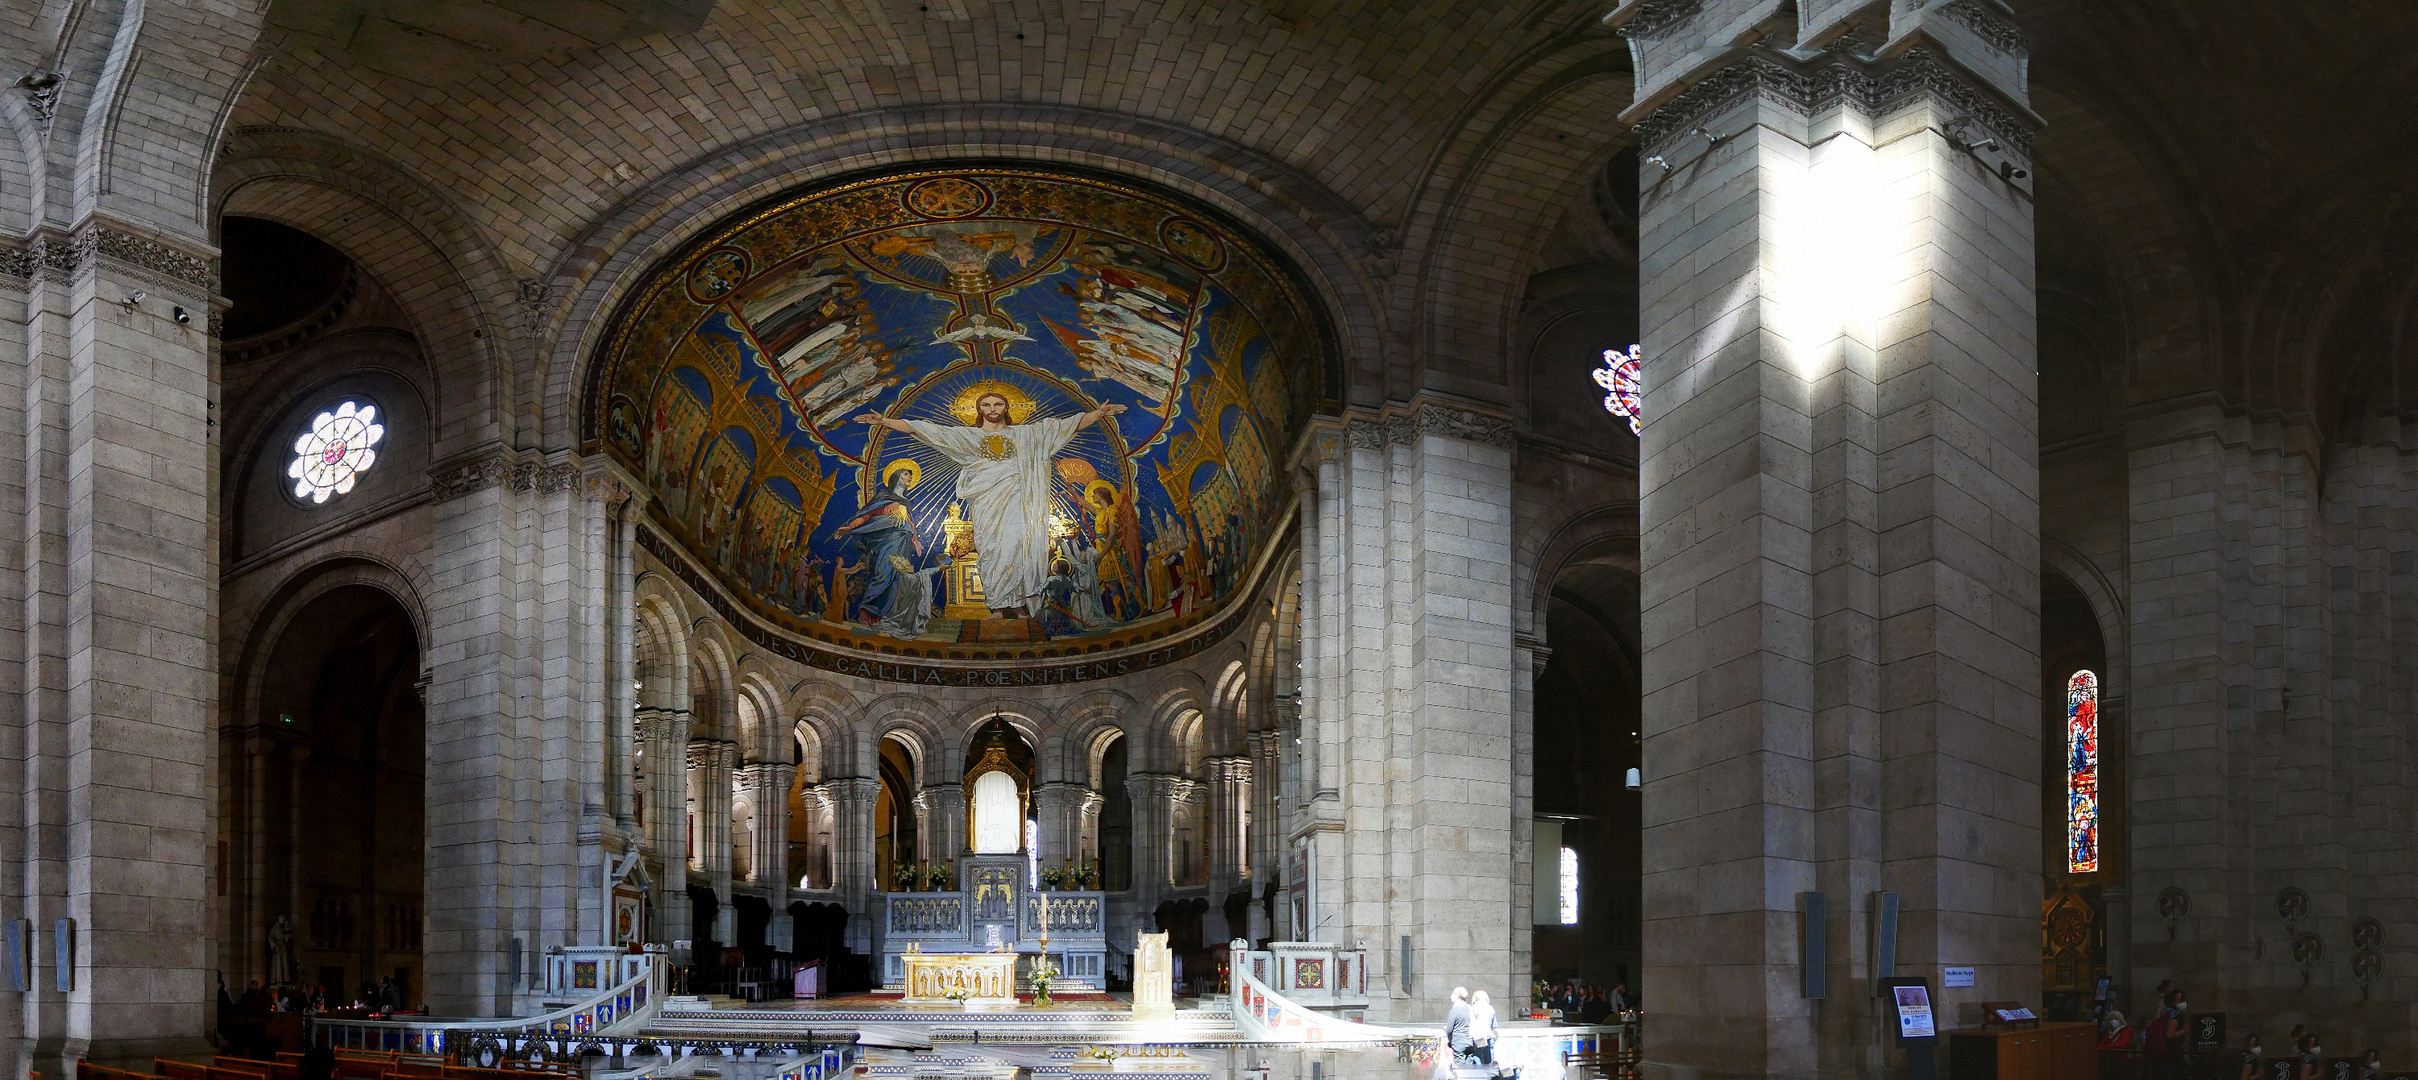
x=1404, y=427
x=61, y=257
x=99, y=241
x=495, y=470
x=1367, y=434
x=1655, y=18
x=1993, y=28
x=41, y=90
x=1465, y=424
x=1875, y=90
x=18, y=261
x=455, y=481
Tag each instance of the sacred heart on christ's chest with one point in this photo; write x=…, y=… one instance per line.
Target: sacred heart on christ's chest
x=998, y=447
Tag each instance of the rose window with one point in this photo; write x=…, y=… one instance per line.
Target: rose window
x=330, y=457
x=1620, y=376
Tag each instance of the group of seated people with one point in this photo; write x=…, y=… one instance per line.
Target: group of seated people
x=2165, y=1038
x=1585, y=1003
x=377, y=999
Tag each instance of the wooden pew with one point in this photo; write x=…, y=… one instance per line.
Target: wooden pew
x=270, y=1069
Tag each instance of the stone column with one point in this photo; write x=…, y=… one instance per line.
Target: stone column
x=817, y=803
x=621, y=769
x=1225, y=817
x=118, y=595
x=1267, y=819
x=1087, y=811
x=768, y=858
x=1059, y=809
x=941, y=835
x=1155, y=796
x=852, y=803
x=667, y=816
x=723, y=759
x=1290, y=800
x=1407, y=698
x=1839, y=507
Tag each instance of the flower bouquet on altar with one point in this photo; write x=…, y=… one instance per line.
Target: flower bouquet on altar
x=903, y=878
x=937, y=879
x=1053, y=878
x=1043, y=974
x=1089, y=876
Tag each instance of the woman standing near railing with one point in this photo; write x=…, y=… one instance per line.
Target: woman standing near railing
x=1481, y=1029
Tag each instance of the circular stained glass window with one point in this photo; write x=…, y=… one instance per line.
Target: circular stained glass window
x=1620, y=376
x=335, y=450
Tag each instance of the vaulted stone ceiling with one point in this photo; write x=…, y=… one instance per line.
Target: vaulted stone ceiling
x=2223, y=205
x=2219, y=184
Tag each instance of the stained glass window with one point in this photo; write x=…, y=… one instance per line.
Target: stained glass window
x=1569, y=887
x=2082, y=773
x=332, y=454
x=1619, y=375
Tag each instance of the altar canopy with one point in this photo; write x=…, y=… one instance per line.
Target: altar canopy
x=998, y=815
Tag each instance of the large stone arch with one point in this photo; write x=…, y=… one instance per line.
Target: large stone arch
x=259, y=631
x=824, y=709
x=1526, y=150
x=915, y=720
x=1086, y=726
x=447, y=276
x=962, y=727
x=1592, y=532
x=146, y=103
x=1170, y=702
x=1312, y=227
x=2107, y=606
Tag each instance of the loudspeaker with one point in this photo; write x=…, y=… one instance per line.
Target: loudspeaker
x=1884, y=935
x=1813, y=910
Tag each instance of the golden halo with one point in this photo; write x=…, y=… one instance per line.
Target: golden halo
x=1020, y=403
x=1091, y=493
x=915, y=472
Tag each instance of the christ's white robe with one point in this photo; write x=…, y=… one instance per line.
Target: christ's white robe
x=1004, y=478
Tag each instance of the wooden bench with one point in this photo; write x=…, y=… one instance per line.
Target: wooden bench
x=270, y=1069
x=86, y=1070
x=1619, y=1063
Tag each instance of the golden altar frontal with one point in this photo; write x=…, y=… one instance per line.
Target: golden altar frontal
x=985, y=979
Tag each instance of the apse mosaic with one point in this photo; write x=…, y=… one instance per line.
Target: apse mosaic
x=965, y=415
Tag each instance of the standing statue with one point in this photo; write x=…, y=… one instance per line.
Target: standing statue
x=1153, y=978
x=281, y=950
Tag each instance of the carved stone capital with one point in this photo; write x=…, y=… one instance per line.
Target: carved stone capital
x=1465, y=424
x=766, y=775
x=18, y=260
x=456, y=479
x=163, y=263
x=499, y=469
x=1875, y=89
x=1164, y=787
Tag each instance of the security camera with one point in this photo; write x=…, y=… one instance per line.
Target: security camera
x=2008, y=170
x=183, y=316
x=134, y=299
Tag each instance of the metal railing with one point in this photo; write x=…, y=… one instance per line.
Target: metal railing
x=626, y=1006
